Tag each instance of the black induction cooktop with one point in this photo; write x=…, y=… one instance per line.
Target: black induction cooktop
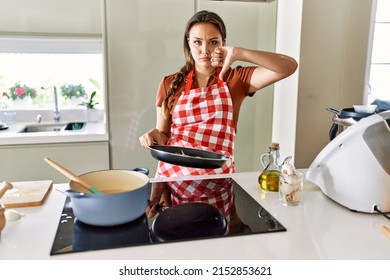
x=241, y=215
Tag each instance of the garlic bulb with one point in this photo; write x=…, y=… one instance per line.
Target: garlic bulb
x=12, y=215
x=291, y=184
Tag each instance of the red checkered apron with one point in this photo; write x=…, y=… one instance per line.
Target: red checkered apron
x=216, y=192
x=202, y=119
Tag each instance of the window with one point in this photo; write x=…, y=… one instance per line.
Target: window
x=379, y=82
x=40, y=64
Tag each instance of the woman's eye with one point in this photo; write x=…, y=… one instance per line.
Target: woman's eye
x=213, y=43
x=197, y=43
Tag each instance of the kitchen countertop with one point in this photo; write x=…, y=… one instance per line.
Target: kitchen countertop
x=94, y=131
x=318, y=228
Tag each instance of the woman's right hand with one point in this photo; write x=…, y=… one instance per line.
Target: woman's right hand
x=153, y=137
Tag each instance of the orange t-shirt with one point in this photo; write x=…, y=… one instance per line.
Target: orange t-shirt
x=237, y=79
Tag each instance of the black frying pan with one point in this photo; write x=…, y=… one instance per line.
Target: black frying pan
x=188, y=157
x=187, y=221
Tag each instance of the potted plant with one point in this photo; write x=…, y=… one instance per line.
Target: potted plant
x=20, y=95
x=92, y=112
x=73, y=94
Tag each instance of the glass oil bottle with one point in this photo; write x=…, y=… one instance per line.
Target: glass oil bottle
x=269, y=178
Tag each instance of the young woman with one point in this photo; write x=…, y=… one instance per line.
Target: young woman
x=198, y=107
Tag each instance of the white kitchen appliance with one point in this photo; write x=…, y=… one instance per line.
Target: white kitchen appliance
x=354, y=168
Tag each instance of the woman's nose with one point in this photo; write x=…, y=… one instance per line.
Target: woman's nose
x=205, y=49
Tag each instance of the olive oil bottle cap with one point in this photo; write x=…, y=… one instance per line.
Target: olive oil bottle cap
x=274, y=146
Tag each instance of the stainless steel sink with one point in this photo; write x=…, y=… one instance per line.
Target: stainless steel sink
x=53, y=127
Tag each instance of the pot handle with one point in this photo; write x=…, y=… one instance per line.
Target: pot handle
x=334, y=111
x=75, y=194
x=143, y=170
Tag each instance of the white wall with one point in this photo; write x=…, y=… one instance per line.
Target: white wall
x=288, y=40
x=333, y=59
x=144, y=44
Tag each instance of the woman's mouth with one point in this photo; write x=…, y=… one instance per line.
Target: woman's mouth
x=205, y=59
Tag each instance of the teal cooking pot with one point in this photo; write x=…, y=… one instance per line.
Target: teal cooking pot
x=123, y=198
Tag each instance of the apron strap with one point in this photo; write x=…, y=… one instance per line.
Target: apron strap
x=191, y=75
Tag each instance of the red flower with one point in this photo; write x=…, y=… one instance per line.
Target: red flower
x=20, y=91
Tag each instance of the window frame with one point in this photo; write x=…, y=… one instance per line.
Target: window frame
x=370, y=54
x=31, y=44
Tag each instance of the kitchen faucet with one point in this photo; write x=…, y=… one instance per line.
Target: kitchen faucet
x=56, y=114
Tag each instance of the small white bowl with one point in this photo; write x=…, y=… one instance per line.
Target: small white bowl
x=368, y=109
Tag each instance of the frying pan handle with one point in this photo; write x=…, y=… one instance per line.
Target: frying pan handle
x=143, y=170
x=333, y=131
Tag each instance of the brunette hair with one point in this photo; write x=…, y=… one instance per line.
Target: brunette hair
x=199, y=17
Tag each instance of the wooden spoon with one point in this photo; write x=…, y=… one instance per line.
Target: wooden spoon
x=71, y=175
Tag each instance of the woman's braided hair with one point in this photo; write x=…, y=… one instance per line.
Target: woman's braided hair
x=199, y=17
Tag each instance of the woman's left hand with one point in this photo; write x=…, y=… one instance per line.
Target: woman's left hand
x=222, y=57
x=271, y=67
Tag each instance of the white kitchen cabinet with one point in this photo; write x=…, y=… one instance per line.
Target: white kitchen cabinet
x=51, y=17
x=25, y=162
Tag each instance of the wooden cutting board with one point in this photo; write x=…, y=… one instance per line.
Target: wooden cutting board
x=27, y=193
